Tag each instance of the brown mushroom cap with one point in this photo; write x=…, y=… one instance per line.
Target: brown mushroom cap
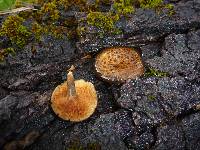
x=74, y=108
x=119, y=64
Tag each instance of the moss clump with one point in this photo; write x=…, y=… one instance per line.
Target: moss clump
x=56, y=31
x=170, y=7
x=124, y=7
x=47, y=20
x=158, y=5
x=75, y=145
x=63, y=4
x=106, y=21
x=14, y=29
x=151, y=97
x=100, y=20
x=39, y=2
x=53, y=30
x=80, y=30
x=103, y=21
x=155, y=73
x=37, y=30
x=149, y=4
x=16, y=32
x=50, y=11
x=5, y=52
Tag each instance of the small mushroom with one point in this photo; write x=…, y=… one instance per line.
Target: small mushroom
x=74, y=100
x=119, y=64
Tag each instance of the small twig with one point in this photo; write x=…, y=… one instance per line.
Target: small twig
x=17, y=10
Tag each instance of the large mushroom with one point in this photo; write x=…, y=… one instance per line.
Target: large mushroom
x=119, y=64
x=74, y=100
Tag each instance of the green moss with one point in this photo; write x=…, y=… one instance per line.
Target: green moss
x=106, y=21
x=155, y=73
x=81, y=4
x=50, y=11
x=56, y=31
x=14, y=29
x=5, y=52
x=103, y=21
x=16, y=32
x=37, y=30
x=151, y=97
x=93, y=146
x=75, y=145
x=39, y=2
x=170, y=7
x=149, y=4
x=158, y=5
x=63, y=4
x=80, y=30
x=123, y=7
x=46, y=18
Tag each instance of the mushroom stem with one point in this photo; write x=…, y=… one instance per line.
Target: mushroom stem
x=71, y=85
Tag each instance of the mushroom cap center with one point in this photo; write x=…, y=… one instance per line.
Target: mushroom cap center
x=119, y=64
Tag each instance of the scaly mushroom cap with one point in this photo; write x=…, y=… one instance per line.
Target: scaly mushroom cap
x=119, y=64
x=74, y=108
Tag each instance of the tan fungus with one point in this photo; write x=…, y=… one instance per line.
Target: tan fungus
x=74, y=101
x=119, y=64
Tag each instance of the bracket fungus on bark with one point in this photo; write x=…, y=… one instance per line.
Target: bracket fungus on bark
x=119, y=64
x=74, y=100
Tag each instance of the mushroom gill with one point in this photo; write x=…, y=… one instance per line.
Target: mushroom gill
x=119, y=64
x=74, y=100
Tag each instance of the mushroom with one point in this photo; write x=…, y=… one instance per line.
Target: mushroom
x=119, y=64
x=74, y=100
